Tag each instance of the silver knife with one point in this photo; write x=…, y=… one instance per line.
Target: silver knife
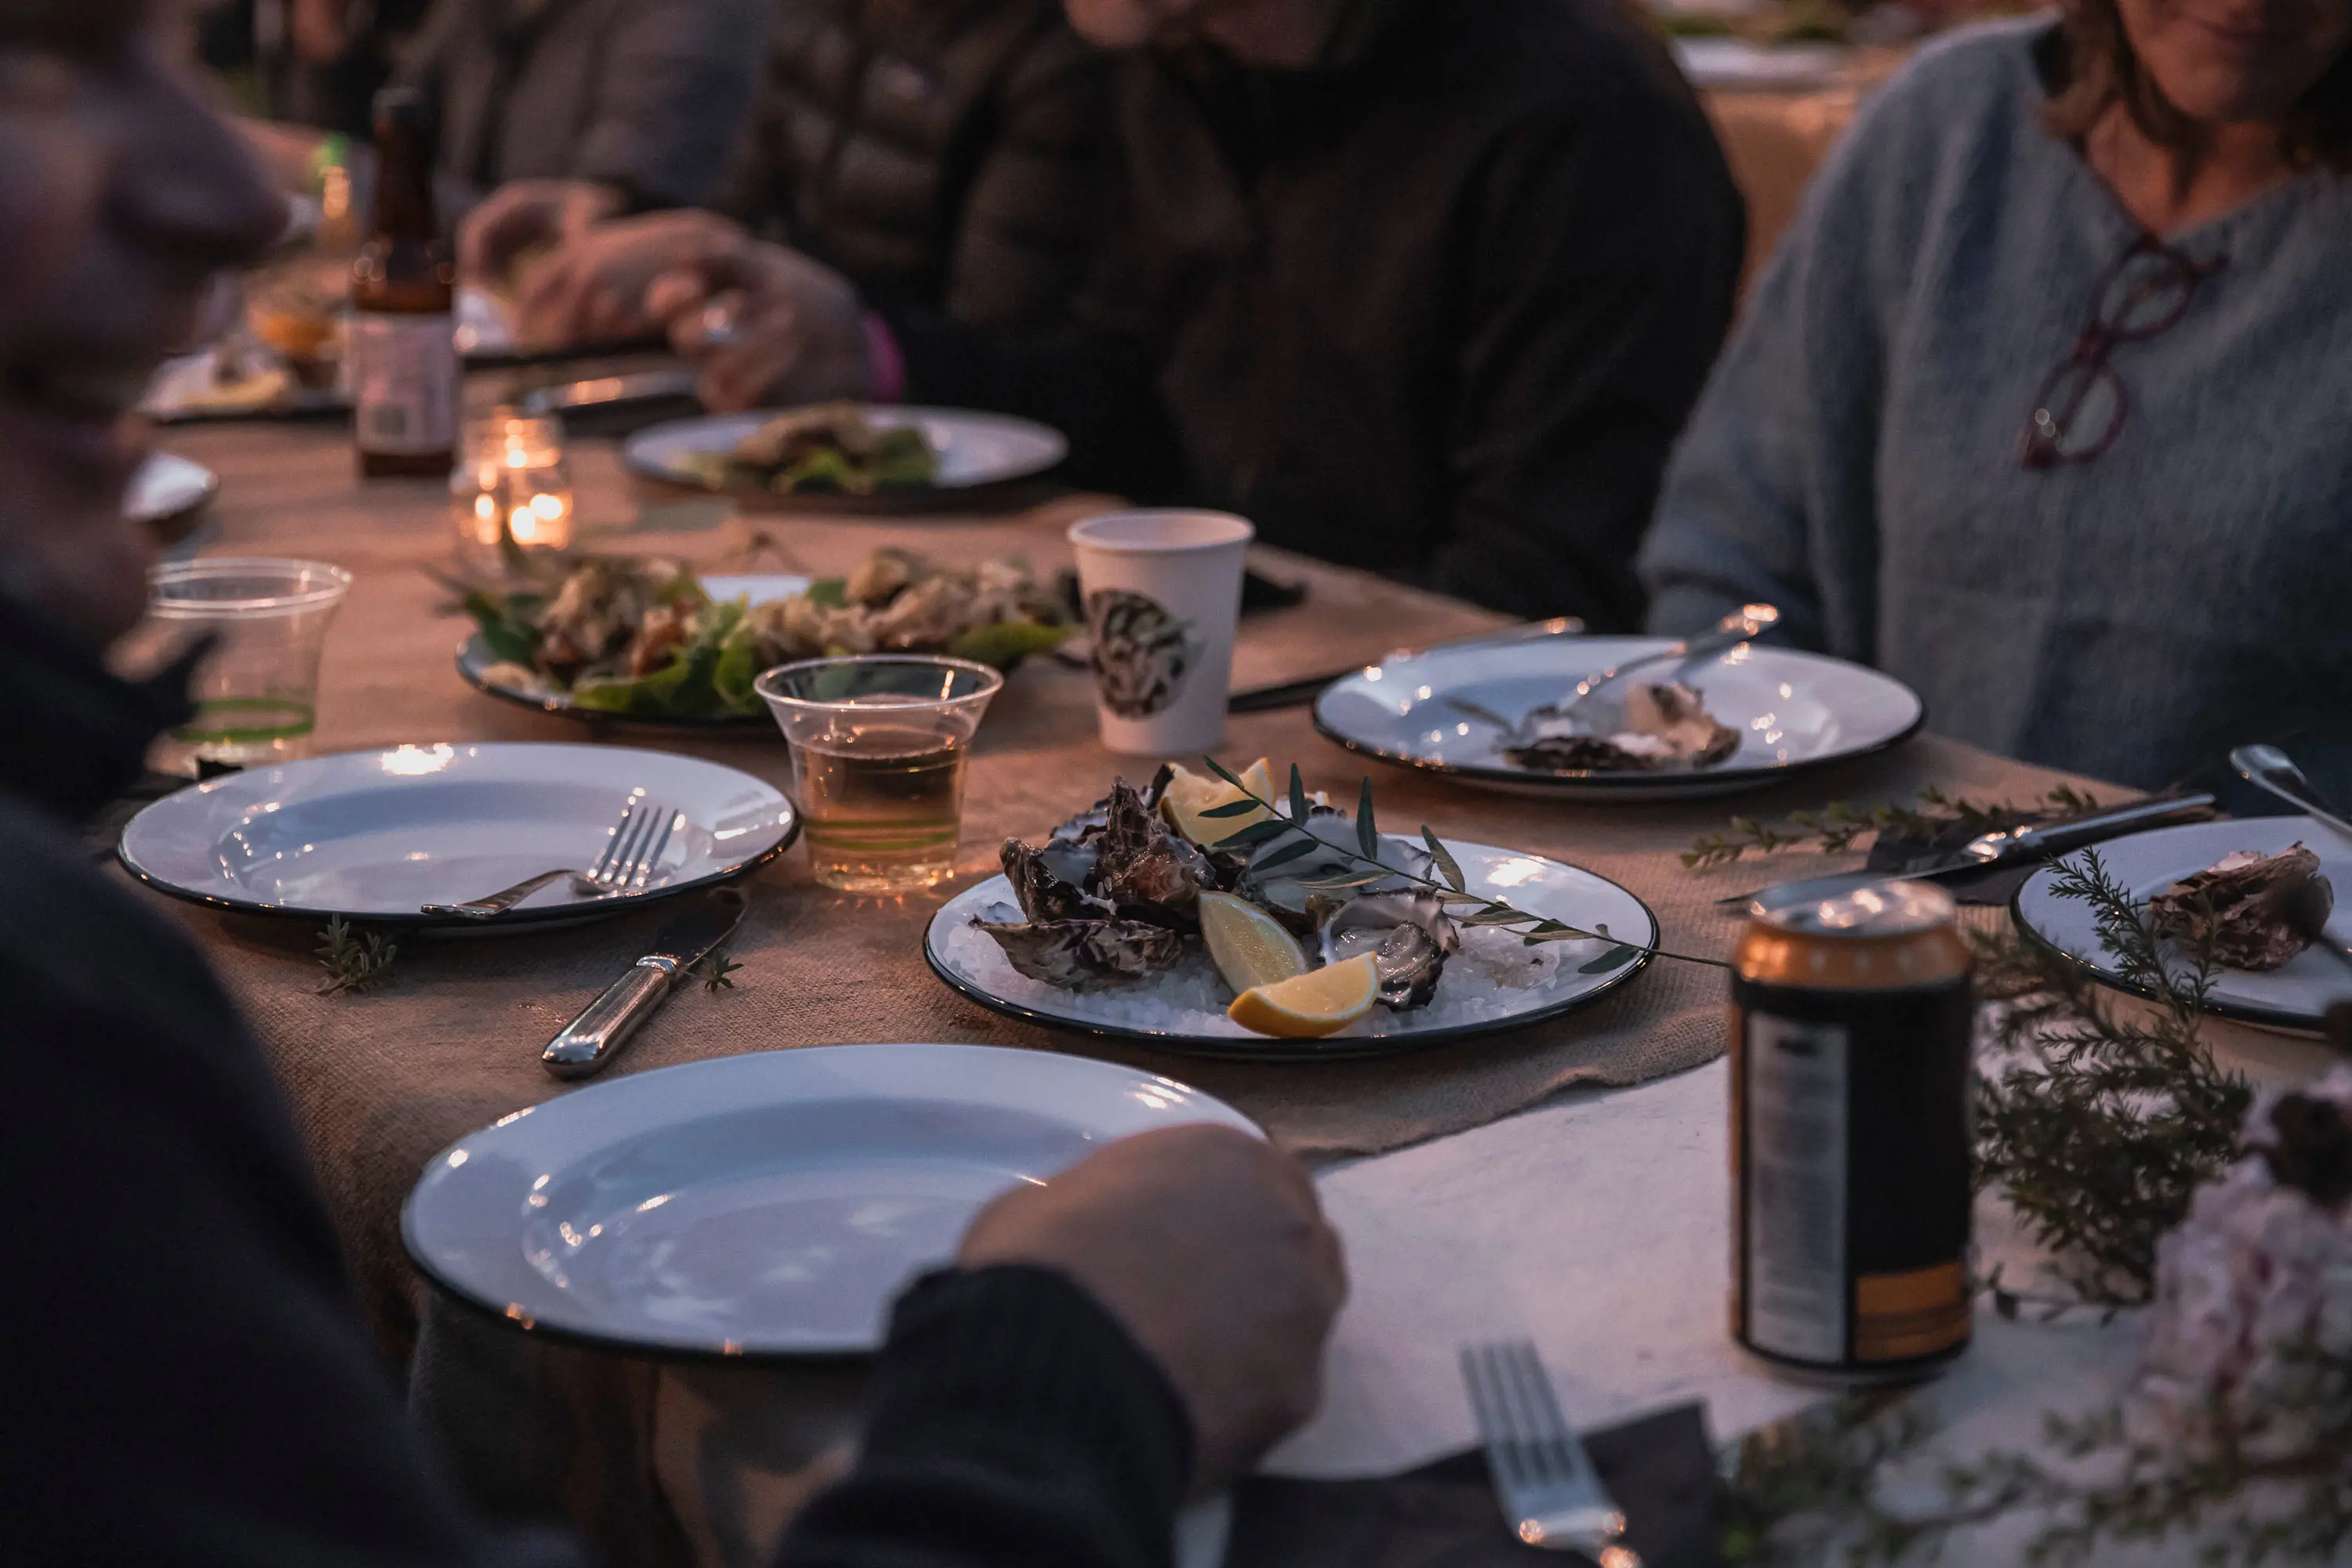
x=589, y=1043
x=2010, y=845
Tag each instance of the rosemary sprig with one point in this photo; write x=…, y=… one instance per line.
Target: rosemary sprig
x=355, y=961
x=1268, y=833
x=1833, y=829
x=714, y=969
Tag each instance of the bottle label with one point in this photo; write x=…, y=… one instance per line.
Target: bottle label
x=404, y=384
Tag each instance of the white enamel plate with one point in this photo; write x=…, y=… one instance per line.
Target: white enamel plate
x=974, y=450
x=768, y=1205
x=370, y=836
x=1792, y=710
x=166, y=488
x=1495, y=981
x=2294, y=997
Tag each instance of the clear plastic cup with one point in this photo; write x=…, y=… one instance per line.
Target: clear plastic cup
x=257, y=692
x=878, y=745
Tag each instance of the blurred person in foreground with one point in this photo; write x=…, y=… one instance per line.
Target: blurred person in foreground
x=1418, y=287
x=2042, y=404
x=945, y=155
x=184, y=1365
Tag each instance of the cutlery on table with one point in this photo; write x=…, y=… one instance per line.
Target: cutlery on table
x=1550, y=1494
x=627, y=863
x=1744, y=625
x=2008, y=847
x=603, y=391
x=1299, y=693
x=2273, y=772
x=588, y=1044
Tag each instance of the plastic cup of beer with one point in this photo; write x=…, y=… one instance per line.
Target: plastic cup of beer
x=878, y=743
x=257, y=689
x=1162, y=589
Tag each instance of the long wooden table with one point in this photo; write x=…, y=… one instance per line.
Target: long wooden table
x=381, y=1082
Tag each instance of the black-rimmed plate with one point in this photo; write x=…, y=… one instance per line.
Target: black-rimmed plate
x=761, y=1206
x=2294, y=997
x=1793, y=712
x=1494, y=982
x=371, y=836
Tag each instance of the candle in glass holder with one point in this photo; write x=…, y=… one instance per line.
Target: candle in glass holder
x=511, y=489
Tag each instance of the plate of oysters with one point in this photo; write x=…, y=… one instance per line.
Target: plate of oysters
x=2262, y=889
x=1506, y=715
x=1213, y=913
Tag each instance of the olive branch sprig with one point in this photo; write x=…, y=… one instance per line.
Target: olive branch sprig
x=1275, y=827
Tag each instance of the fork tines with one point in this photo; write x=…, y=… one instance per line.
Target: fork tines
x=638, y=840
x=1546, y=1483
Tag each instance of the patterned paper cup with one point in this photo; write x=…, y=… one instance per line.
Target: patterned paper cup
x=1163, y=591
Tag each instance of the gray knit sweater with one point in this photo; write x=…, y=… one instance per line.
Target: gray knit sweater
x=1855, y=456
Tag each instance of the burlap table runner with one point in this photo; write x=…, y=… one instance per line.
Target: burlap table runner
x=381, y=1081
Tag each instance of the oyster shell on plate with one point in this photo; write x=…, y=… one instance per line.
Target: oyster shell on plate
x=1081, y=955
x=1660, y=727
x=1409, y=935
x=1297, y=887
x=2259, y=911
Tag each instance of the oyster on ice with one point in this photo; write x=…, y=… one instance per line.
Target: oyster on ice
x=1080, y=955
x=1660, y=729
x=2258, y=910
x=1408, y=936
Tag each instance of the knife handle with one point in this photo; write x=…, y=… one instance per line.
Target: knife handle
x=2158, y=812
x=590, y=1042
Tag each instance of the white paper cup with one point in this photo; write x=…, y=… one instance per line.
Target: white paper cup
x=1162, y=588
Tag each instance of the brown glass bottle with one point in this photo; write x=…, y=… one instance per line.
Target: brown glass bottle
x=405, y=370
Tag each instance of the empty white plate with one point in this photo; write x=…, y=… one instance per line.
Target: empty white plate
x=1792, y=710
x=763, y=1204
x=974, y=448
x=2293, y=996
x=370, y=836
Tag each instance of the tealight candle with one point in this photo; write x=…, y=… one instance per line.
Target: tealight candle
x=511, y=489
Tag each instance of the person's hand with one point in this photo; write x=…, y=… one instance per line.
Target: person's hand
x=764, y=323
x=1210, y=1246
x=592, y=288
x=524, y=215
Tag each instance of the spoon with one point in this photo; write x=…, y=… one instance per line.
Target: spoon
x=1742, y=626
x=2273, y=770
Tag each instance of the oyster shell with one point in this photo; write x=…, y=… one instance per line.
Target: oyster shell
x=1081, y=955
x=2259, y=911
x=1660, y=729
x=1408, y=936
x=1144, y=870
x=1051, y=883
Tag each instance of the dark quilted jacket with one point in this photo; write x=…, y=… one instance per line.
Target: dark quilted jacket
x=946, y=154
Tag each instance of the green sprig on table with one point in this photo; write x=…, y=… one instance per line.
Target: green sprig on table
x=356, y=961
x=1835, y=828
x=715, y=969
x=1278, y=839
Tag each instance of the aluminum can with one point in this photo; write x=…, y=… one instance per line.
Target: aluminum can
x=1850, y=1019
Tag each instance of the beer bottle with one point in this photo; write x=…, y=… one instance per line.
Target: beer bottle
x=403, y=349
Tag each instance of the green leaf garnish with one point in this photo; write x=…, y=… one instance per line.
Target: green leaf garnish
x=1367, y=838
x=1298, y=802
x=1231, y=808
x=1446, y=867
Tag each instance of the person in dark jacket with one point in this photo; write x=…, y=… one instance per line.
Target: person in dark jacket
x=1419, y=287
x=946, y=155
x=186, y=1374
x=642, y=101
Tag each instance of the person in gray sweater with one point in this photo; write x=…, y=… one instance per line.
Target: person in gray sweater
x=2045, y=404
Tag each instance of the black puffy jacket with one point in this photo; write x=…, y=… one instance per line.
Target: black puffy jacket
x=946, y=154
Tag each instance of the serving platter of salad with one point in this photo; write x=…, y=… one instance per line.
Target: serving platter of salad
x=644, y=640
x=847, y=455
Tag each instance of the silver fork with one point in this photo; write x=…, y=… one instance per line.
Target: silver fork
x=1744, y=625
x=627, y=863
x=1550, y=1494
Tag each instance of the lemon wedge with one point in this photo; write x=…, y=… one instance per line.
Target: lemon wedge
x=1249, y=946
x=1189, y=794
x=1305, y=1006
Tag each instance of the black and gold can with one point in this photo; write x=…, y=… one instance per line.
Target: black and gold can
x=1850, y=1016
